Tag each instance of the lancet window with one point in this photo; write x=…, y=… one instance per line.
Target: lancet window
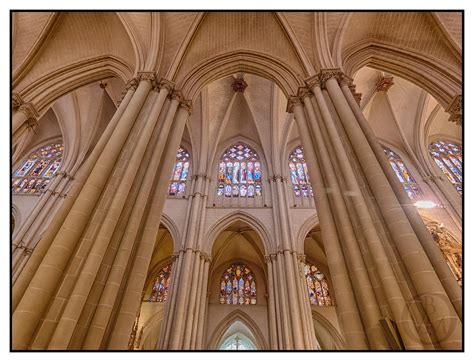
x=299, y=173
x=159, y=292
x=403, y=175
x=448, y=157
x=318, y=288
x=180, y=173
x=36, y=172
x=240, y=173
x=238, y=285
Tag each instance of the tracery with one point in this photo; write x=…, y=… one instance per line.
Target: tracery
x=180, y=173
x=240, y=173
x=36, y=172
x=403, y=175
x=238, y=285
x=318, y=288
x=448, y=157
x=299, y=173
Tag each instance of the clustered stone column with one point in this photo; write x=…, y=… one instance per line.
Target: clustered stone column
x=291, y=326
x=183, y=326
x=24, y=122
x=81, y=287
x=383, y=262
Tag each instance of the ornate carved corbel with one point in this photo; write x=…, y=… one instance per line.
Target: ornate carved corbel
x=455, y=110
x=239, y=85
x=292, y=102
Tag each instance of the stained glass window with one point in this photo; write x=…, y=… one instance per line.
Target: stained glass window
x=448, y=157
x=36, y=172
x=318, y=288
x=299, y=173
x=398, y=166
x=159, y=292
x=180, y=173
x=238, y=285
x=240, y=173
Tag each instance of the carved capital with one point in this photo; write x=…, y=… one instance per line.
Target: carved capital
x=273, y=257
x=178, y=95
x=345, y=80
x=292, y=102
x=28, y=110
x=187, y=106
x=239, y=85
x=17, y=101
x=313, y=81
x=132, y=84
x=455, y=110
x=166, y=84
x=304, y=92
x=383, y=83
x=31, y=123
x=149, y=76
x=327, y=74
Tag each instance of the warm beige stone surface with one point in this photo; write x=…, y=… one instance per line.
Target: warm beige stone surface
x=124, y=90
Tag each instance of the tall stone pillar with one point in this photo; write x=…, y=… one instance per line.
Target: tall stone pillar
x=390, y=237
x=131, y=299
x=432, y=250
x=348, y=313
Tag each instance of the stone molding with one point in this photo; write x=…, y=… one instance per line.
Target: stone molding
x=17, y=101
x=239, y=85
x=28, y=110
x=132, y=84
x=455, y=110
x=319, y=80
x=383, y=83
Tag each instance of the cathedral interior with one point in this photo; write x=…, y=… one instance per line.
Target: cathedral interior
x=236, y=180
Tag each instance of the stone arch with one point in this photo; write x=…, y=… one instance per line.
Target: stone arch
x=426, y=73
x=44, y=91
x=227, y=220
x=15, y=218
x=150, y=330
x=329, y=328
x=309, y=224
x=231, y=318
x=233, y=62
x=173, y=229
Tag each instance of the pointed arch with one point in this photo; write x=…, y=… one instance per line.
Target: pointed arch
x=329, y=328
x=231, y=318
x=173, y=229
x=238, y=215
x=233, y=62
x=309, y=224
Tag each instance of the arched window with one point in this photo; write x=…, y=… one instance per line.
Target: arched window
x=318, y=288
x=180, y=173
x=34, y=175
x=240, y=173
x=299, y=173
x=238, y=285
x=451, y=249
x=448, y=157
x=405, y=177
x=159, y=292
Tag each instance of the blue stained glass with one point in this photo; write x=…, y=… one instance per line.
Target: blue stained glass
x=451, y=154
x=180, y=173
x=299, y=173
x=34, y=174
x=240, y=166
x=403, y=175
